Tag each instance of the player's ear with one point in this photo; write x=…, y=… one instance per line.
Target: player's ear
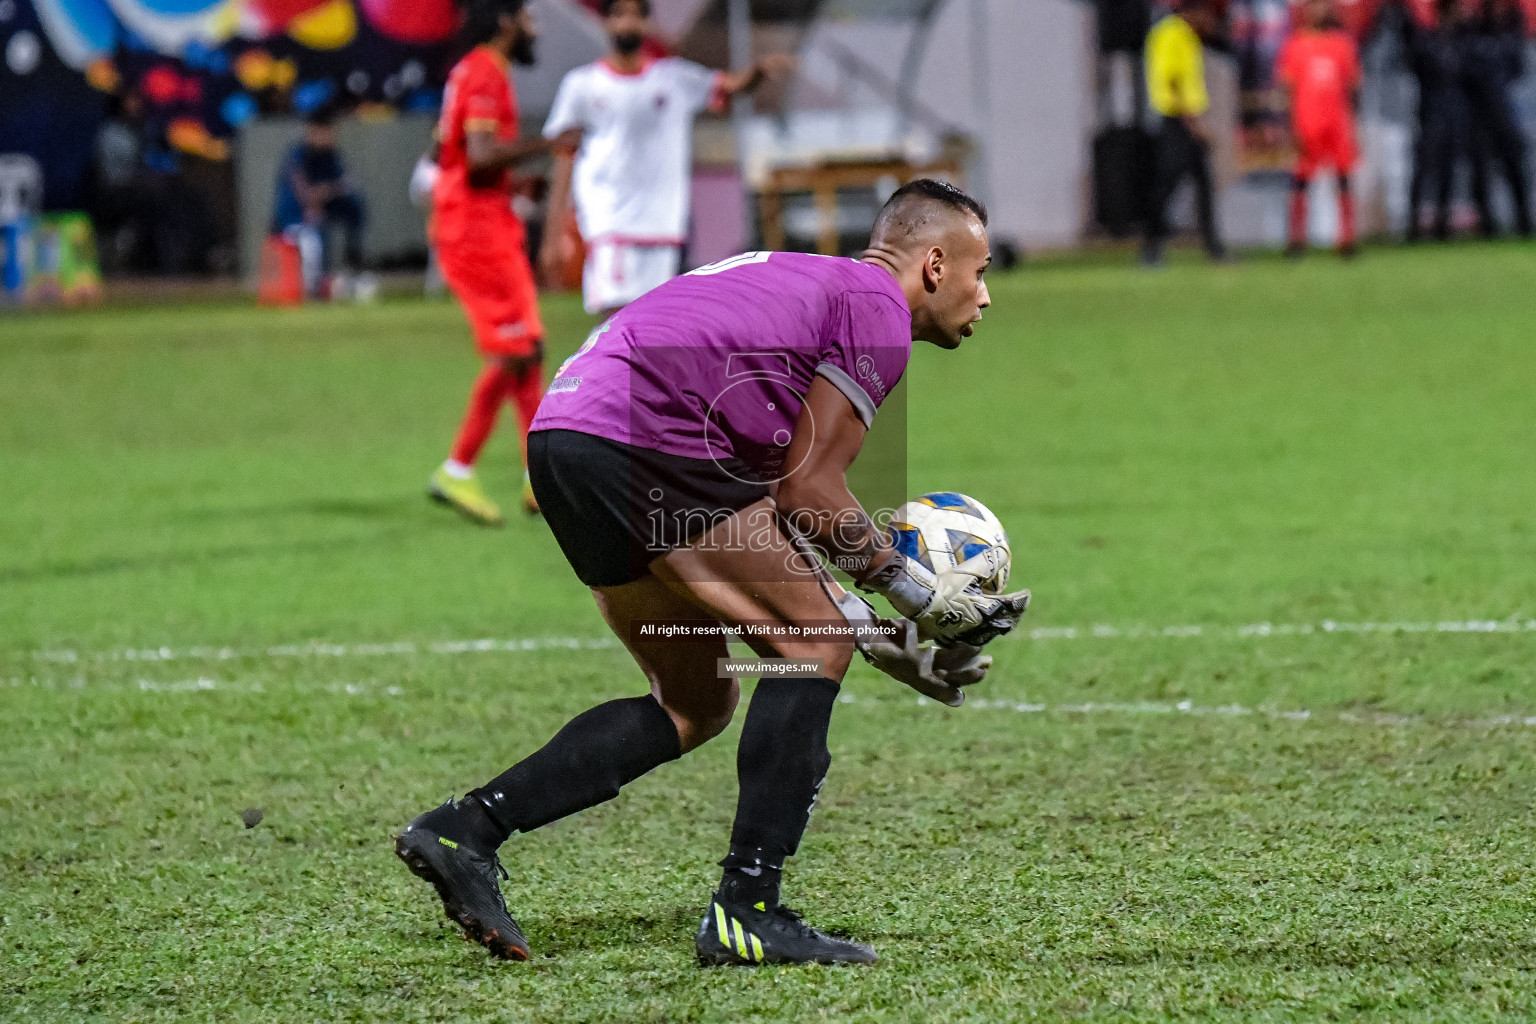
x=933, y=268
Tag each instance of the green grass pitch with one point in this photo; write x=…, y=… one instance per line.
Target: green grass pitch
x=222, y=587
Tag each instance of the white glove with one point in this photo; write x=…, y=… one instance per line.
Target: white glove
x=961, y=665
x=935, y=673
x=423, y=180
x=954, y=609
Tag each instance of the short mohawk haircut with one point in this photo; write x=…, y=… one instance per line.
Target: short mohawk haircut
x=904, y=201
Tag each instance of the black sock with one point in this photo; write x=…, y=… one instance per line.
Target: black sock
x=780, y=766
x=466, y=823
x=597, y=753
x=751, y=876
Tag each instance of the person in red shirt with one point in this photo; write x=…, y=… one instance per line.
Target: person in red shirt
x=1319, y=66
x=481, y=243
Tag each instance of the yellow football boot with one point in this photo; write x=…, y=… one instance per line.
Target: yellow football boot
x=465, y=496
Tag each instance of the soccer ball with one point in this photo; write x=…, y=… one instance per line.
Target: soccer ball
x=939, y=531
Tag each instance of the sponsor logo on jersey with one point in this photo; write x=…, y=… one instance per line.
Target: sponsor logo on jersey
x=864, y=366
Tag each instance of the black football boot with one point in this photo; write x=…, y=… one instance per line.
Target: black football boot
x=465, y=880
x=737, y=932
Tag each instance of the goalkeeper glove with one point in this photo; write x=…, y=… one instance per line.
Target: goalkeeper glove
x=953, y=609
x=937, y=674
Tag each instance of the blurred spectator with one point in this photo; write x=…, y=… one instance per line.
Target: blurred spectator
x=315, y=196
x=122, y=204
x=148, y=217
x=1177, y=90
x=1493, y=59
x=1444, y=120
x=118, y=150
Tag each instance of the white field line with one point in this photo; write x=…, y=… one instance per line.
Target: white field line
x=1183, y=708
x=202, y=684
x=1190, y=708
x=318, y=649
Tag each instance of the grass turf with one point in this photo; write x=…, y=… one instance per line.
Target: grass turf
x=1338, y=825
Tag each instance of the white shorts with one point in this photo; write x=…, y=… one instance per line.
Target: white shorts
x=616, y=275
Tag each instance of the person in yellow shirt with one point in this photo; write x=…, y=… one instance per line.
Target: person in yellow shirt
x=1176, y=88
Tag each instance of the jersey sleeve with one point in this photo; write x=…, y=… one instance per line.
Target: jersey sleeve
x=696, y=85
x=482, y=100
x=867, y=351
x=570, y=106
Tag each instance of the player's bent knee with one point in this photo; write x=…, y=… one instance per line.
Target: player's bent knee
x=705, y=729
x=699, y=722
x=695, y=730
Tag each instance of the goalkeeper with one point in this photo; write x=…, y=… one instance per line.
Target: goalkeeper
x=686, y=458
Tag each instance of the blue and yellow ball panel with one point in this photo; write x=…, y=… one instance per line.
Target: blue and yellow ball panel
x=909, y=541
x=965, y=545
x=951, y=501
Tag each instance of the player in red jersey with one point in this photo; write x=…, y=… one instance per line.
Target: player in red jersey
x=481, y=243
x=1319, y=66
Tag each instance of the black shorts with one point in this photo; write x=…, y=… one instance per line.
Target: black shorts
x=615, y=508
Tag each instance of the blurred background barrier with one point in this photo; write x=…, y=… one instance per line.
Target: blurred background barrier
x=378, y=156
x=43, y=258
x=50, y=258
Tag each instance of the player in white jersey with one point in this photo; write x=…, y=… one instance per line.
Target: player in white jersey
x=630, y=178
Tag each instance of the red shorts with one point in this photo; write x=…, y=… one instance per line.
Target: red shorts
x=1325, y=142
x=486, y=265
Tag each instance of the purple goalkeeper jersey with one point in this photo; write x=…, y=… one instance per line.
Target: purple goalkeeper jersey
x=715, y=364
